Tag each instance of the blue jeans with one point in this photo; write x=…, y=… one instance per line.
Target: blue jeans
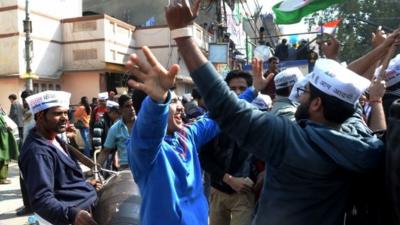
x=85, y=137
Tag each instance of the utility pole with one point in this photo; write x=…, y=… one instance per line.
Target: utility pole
x=220, y=29
x=28, y=47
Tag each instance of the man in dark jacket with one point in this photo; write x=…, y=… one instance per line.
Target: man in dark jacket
x=57, y=190
x=309, y=164
x=232, y=170
x=17, y=114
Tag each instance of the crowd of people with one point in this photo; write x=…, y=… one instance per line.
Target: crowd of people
x=263, y=147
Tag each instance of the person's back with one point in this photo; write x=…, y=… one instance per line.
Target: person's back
x=282, y=51
x=309, y=165
x=291, y=53
x=284, y=82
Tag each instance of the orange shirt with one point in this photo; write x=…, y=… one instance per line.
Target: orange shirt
x=80, y=114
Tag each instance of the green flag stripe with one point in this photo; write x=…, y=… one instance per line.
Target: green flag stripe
x=296, y=15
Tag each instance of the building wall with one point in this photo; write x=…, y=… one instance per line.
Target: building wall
x=165, y=49
x=9, y=49
x=10, y=85
x=59, y=9
x=120, y=42
x=46, y=36
x=6, y=3
x=90, y=42
x=72, y=82
x=83, y=44
x=9, y=40
x=135, y=12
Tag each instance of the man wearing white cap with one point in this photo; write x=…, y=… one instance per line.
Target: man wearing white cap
x=56, y=186
x=392, y=78
x=98, y=113
x=309, y=165
x=284, y=82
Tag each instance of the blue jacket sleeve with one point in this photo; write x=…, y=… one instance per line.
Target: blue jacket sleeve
x=205, y=129
x=41, y=186
x=147, y=135
x=248, y=95
x=257, y=132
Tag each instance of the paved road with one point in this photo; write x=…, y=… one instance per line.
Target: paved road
x=11, y=199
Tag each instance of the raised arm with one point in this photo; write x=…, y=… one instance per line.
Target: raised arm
x=362, y=64
x=376, y=92
x=147, y=134
x=151, y=124
x=254, y=130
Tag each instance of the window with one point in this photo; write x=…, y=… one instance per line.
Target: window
x=43, y=87
x=35, y=88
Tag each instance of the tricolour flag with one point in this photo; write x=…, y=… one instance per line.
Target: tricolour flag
x=330, y=27
x=292, y=11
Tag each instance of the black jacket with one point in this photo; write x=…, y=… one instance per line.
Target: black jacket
x=222, y=155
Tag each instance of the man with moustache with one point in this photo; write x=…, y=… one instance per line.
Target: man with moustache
x=57, y=190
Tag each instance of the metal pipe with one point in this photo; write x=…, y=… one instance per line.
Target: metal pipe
x=28, y=47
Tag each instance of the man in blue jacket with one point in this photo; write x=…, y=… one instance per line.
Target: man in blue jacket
x=163, y=154
x=57, y=190
x=310, y=165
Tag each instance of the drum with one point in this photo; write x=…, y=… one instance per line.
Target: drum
x=118, y=201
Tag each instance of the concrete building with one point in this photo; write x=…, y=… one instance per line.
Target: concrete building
x=77, y=54
x=157, y=38
x=83, y=55
x=47, y=39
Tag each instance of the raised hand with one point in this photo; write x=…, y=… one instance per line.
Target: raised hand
x=393, y=38
x=377, y=90
x=153, y=78
x=329, y=48
x=259, y=81
x=180, y=15
x=378, y=37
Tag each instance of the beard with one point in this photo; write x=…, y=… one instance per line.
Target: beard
x=302, y=112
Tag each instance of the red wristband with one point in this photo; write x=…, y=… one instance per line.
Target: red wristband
x=375, y=101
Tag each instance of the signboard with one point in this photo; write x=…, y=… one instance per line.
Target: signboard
x=218, y=53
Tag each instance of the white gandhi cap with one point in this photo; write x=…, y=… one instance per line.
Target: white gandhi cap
x=48, y=99
x=333, y=79
x=287, y=78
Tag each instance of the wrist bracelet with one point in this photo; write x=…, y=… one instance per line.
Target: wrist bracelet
x=182, y=32
x=375, y=101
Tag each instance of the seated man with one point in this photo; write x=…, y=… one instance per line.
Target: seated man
x=57, y=190
x=163, y=151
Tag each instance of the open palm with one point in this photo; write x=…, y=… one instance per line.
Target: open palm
x=153, y=78
x=259, y=81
